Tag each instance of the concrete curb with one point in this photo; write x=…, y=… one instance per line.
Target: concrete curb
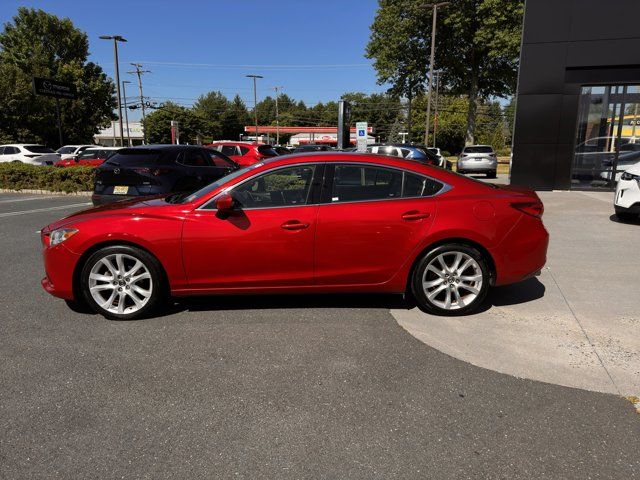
x=46, y=192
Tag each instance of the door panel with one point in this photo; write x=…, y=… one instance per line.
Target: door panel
x=250, y=248
x=367, y=242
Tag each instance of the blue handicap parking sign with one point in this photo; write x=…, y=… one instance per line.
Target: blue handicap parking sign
x=361, y=133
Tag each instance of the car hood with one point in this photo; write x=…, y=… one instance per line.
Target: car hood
x=124, y=207
x=634, y=169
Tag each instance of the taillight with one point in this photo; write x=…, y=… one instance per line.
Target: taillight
x=535, y=209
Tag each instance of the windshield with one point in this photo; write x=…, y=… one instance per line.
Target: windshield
x=479, y=149
x=212, y=186
x=267, y=150
x=64, y=150
x=38, y=149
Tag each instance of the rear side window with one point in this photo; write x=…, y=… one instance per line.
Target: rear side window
x=65, y=150
x=419, y=186
x=244, y=150
x=136, y=156
x=194, y=158
x=354, y=183
x=38, y=149
x=229, y=150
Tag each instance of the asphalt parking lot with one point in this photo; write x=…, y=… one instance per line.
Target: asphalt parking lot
x=269, y=387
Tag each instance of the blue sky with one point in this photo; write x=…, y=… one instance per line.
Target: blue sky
x=289, y=42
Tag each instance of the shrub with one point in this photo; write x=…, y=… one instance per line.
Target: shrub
x=18, y=176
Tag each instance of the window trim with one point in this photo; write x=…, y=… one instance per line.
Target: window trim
x=328, y=188
x=316, y=183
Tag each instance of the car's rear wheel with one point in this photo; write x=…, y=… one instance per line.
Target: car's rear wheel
x=452, y=279
x=122, y=282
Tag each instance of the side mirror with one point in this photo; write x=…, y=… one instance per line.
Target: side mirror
x=224, y=203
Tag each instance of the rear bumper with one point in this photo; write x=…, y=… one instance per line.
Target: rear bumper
x=98, y=199
x=59, y=265
x=522, y=253
x=482, y=166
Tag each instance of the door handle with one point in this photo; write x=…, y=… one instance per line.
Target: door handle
x=415, y=215
x=294, y=225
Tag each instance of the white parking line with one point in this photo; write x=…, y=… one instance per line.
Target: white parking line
x=13, y=200
x=37, y=210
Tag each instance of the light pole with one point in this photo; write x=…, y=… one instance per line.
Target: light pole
x=126, y=115
x=277, y=116
x=255, y=101
x=435, y=113
x=140, y=72
x=116, y=39
x=434, y=7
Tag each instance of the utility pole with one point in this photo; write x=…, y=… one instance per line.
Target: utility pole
x=434, y=7
x=277, y=116
x=126, y=115
x=140, y=72
x=255, y=101
x=116, y=39
x=435, y=113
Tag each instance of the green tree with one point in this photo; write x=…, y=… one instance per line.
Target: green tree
x=193, y=127
x=477, y=45
x=37, y=43
x=234, y=119
x=212, y=106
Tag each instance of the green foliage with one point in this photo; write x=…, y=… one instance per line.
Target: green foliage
x=19, y=176
x=37, y=43
x=477, y=48
x=191, y=125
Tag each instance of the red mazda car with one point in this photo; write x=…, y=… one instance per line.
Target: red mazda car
x=322, y=222
x=244, y=153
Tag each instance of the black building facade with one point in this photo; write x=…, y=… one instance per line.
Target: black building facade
x=578, y=101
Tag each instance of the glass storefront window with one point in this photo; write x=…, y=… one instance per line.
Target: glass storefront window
x=608, y=137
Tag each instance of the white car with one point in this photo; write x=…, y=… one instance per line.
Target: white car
x=28, y=153
x=70, y=151
x=627, y=199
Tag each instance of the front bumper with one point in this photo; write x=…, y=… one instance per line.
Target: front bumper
x=59, y=266
x=627, y=194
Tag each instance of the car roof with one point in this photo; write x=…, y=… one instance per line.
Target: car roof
x=473, y=146
x=22, y=145
x=161, y=147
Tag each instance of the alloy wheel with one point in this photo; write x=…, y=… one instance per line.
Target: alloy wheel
x=452, y=280
x=120, y=283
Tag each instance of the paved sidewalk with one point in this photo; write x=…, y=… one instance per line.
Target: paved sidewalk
x=578, y=324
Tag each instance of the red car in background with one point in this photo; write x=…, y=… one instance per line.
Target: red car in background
x=91, y=157
x=244, y=153
x=322, y=222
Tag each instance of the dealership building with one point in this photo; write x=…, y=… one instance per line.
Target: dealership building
x=577, y=120
x=110, y=136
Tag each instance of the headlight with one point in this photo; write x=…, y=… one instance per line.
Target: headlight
x=629, y=176
x=60, y=235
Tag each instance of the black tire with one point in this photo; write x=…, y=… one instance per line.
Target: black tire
x=491, y=175
x=627, y=217
x=157, y=283
x=449, y=251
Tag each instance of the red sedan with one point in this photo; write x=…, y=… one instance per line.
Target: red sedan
x=323, y=222
x=91, y=157
x=244, y=153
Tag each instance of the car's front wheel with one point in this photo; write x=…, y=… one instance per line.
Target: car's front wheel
x=451, y=279
x=122, y=282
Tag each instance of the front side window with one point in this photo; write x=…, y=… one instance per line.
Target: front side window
x=219, y=161
x=285, y=187
x=228, y=150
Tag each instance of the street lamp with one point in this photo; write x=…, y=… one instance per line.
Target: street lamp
x=255, y=101
x=434, y=7
x=277, y=89
x=116, y=39
x=126, y=115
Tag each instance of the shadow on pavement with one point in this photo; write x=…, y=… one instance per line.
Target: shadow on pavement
x=522, y=292
x=614, y=218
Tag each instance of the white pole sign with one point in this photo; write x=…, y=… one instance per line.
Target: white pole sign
x=361, y=136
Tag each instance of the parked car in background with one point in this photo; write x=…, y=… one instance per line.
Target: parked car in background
x=478, y=159
x=312, y=147
x=627, y=198
x=281, y=150
x=244, y=153
x=28, y=153
x=405, y=150
x=352, y=223
x=70, y=151
x=91, y=157
x=158, y=169
x=444, y=163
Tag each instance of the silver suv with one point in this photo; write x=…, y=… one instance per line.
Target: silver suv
x=478, y=159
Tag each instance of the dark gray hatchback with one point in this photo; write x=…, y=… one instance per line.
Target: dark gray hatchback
x=158, y=169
